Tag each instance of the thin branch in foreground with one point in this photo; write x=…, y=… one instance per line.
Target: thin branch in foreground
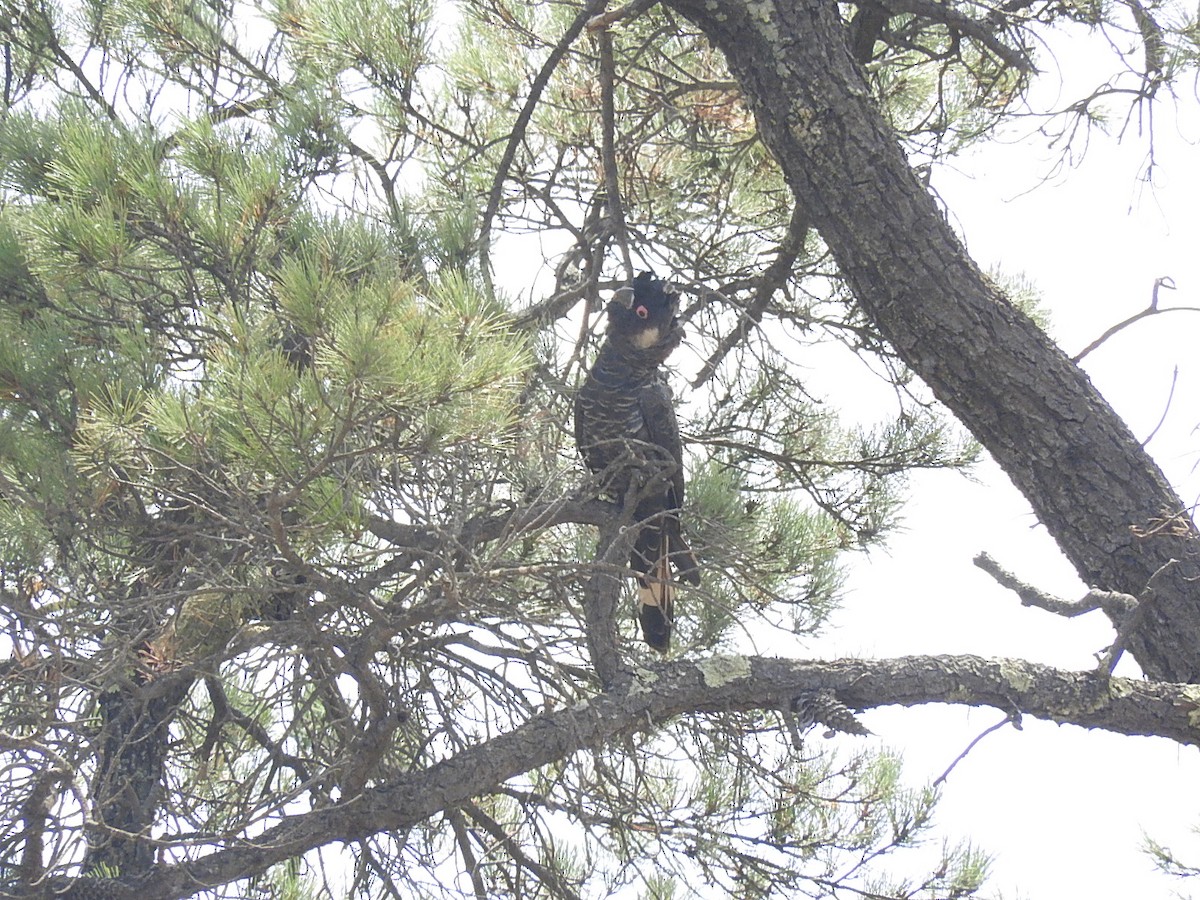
x=546, y=875
x=522, y=122
x=1014, y=718
x=1166, y=407
x=1116, y=604
x=771, y=280
x=1132, y=621
x=608, y=148
x=1151, y=310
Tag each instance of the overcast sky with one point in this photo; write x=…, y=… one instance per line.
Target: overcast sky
x=1063, y=810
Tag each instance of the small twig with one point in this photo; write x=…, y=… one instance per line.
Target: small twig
x=1151, y=310
x=628, y=11
x=1166, y=408
x=1178, y=524
x=470, y=863
x=1132, y=621
x=608, y=148
x=1014, y=718
x=522, y=122
x=8, y=75
x=773, y=278
x=76, y=70
x=224, y=711
x=549, y=877
x=387, y=183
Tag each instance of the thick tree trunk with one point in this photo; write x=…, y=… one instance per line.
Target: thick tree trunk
x=1093, y=486
x=131, y=750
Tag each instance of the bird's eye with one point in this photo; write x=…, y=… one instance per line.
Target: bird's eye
x=642, y=312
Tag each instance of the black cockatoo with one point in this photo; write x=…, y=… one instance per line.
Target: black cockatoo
x=626, y=429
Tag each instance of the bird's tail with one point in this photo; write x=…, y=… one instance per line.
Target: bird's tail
x=656, y=595
x=682, y=557
x=660, y=548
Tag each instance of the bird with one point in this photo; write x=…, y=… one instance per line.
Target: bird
x=627, y=432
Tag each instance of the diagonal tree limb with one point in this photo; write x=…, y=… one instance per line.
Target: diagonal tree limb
x=428, y=538
x=663, y=692
x=956, y=20
x=46, y=26
x=771, y=280
x=1088, y=479
x=522, y=122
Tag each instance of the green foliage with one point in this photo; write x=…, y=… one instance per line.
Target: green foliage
x=282, y=444
x=1025, y=295
x=1167, y=860
x=763, y=551
x=771, y=819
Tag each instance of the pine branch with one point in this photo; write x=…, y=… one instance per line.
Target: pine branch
x=719, y=684
x=518, y=131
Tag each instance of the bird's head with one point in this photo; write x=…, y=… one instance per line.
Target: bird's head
x=644, y=314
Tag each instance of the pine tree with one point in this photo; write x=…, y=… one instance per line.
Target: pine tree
x=302, y=593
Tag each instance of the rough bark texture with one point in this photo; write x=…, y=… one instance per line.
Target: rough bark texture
x=131, y=748
x=651, y=697
x=1091, y=484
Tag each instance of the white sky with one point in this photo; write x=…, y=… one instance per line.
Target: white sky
x=1063, y=810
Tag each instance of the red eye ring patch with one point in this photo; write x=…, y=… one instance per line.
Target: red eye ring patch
x=642, y=312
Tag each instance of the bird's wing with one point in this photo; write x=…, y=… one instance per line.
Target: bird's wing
x=582, y=441
x=661, y=428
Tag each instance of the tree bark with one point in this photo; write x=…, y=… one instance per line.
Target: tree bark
x=718, y=684
x=1090, y=482
x=131, y=750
